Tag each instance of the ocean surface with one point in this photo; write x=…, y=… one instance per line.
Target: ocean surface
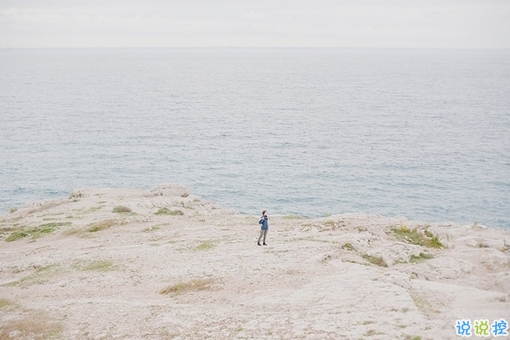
x=419, y=133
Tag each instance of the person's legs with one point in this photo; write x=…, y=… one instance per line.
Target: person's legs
x=265, y=234
x=260, y=237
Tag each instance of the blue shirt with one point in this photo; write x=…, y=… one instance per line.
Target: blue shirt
x=264, y=223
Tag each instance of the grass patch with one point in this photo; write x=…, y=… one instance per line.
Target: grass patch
x=5, y=303
x=348, y=247
x=32, y=326
x=189, y=286
x=12, y=210
x=91, y=210
x=372, y=332
x=103, y=225
x=166, y=211
x=16, y=235
x=292, y=217
x=434, y=243
x=415, y=236
x=205, y=245
x=35, y=232
x=420, y=258
x=155, y=227
x=100, y=265
x=377, y=260
x=38, y=277
x=121, y=209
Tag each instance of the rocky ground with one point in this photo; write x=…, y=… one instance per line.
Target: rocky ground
x=164, y=264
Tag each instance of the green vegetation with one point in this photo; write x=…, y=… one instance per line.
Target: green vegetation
x=38, y=277
x=420, y=258
x=415, y=236
x=189, y=286
x=31, y=326
x=348, y=246
x=434, y=243
x=166, y=211
x=205, y=245
x=100, y=265
x=292, y=217
x=372, y=332
x=4, y=303
x=95, y=227
x=377, y=260
x=12, y=210
x=121, y=209
x=35, y=232
x=91, y=210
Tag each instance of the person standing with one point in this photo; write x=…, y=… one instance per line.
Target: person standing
x=264, y=226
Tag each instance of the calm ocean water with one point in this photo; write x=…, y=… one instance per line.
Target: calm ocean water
x=422, y=133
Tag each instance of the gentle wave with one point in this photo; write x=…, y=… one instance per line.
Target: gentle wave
x=423, y=133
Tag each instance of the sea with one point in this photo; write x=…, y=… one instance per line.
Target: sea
x=420, y=133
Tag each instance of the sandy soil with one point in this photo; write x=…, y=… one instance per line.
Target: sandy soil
x=83, y=271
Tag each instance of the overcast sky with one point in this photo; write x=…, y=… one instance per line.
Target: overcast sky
x=254, y=23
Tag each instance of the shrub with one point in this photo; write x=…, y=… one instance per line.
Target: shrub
x=434, y=243
x=166, y=211
x=377, y=260
x=414, y=236
x=420, y=258
x=121, y=209
x=348, y=246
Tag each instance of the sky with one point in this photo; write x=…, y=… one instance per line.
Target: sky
x=255, y=23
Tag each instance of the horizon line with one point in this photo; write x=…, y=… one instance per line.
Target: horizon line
x=251, y=47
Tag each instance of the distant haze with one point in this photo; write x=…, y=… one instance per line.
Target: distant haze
x=255, y=23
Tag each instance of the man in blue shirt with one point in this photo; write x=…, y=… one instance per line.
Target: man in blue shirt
x=264, y=226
